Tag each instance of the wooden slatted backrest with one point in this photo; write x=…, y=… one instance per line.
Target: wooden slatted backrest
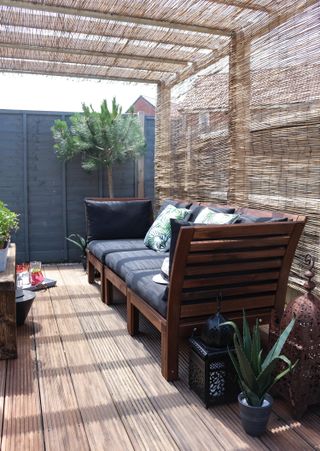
x=248, y=264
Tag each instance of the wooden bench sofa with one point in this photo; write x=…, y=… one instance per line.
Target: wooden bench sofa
x=248, y=264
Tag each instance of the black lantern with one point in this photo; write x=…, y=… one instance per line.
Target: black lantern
x=211, y=373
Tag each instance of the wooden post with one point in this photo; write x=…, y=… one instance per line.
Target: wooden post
x=140, y=163
x=162, y=144
x=239, y=118
x=8, y=327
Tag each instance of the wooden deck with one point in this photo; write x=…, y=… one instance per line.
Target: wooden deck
x=82, y=383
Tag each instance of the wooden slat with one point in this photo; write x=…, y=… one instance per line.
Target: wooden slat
x=240, y=244
x=62, y=422
x=242, y=230
x=108, y=425
x=228, y=306
x=225, y=280
x=245, y=266
x=236, y=256
x=22, y=425
x=252, y=289
x=3, y=374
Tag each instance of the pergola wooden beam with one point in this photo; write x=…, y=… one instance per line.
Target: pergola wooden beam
x=73, y=51
x=57, y=58
x=239, y=117
x=77, y=75
x=241, y=5
x=86, y=28
x=198, y=66
x=117, y=17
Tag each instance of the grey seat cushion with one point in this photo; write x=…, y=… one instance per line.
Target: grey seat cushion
x=153, y=293
x=101, y=248
x=125, y=263
x=137, y=268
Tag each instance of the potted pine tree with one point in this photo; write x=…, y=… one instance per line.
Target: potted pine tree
x=8, y=223
x=102, y=138
x=257, y=375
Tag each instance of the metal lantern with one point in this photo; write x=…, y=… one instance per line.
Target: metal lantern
x=211, y=372
x=301, y=387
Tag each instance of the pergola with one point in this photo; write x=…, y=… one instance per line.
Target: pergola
x=161, y=42
x=167, y=43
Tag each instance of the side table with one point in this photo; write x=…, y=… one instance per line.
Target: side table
x=8, y=327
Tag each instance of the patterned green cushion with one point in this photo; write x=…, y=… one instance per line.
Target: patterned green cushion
x=207, y=216
x=159, y=235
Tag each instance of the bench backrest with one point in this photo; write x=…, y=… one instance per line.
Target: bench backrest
x=248, y=264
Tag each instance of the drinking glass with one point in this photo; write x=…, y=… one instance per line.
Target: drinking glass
x=35, y=273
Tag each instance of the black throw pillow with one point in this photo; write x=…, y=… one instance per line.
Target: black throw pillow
x=175, y=228
x=109, y=220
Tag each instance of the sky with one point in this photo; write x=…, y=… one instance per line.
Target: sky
x=47, y=93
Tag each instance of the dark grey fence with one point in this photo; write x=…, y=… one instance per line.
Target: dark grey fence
x=47, y=193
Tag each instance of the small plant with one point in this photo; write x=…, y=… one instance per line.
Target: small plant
x=257, y=375
x=9, y=223
x=78, y=241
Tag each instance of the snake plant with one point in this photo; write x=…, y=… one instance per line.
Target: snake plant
x=257, y=375
x=78, y=241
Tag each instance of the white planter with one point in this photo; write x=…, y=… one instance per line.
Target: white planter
x=3, y=257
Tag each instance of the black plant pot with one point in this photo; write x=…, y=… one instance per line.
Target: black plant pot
x=24, y=300
x=255, y=419
x=84, y=262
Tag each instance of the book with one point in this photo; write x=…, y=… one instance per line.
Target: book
x=46, y=283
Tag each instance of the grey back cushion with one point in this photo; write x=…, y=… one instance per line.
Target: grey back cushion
x=110, y=220
x=248, y=219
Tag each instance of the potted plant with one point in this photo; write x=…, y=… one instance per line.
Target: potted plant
x=81, y=243
x=102, y=138
x=8, y=223
x=257, y=375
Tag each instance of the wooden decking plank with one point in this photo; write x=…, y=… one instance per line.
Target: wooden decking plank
x=3, y=376
x=63, y=426
x=140, y=418
x=110, y=382
x=76, y=345
x=286, y=436
x=223, y=420
x=180, y=419
x=22, y=426
x=308, y=428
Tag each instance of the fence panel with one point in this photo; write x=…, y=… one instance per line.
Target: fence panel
x=47, y=193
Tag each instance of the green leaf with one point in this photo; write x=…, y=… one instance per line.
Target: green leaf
x=246, y=337
x=247, y=374
x=277, y=347
x=256, y=350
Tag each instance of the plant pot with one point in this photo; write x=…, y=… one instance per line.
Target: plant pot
x=255, y=419
x=84, y=262
x=24, y=300
x=3, y=257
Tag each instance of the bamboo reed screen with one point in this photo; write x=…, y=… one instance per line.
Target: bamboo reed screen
x=247, y=130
